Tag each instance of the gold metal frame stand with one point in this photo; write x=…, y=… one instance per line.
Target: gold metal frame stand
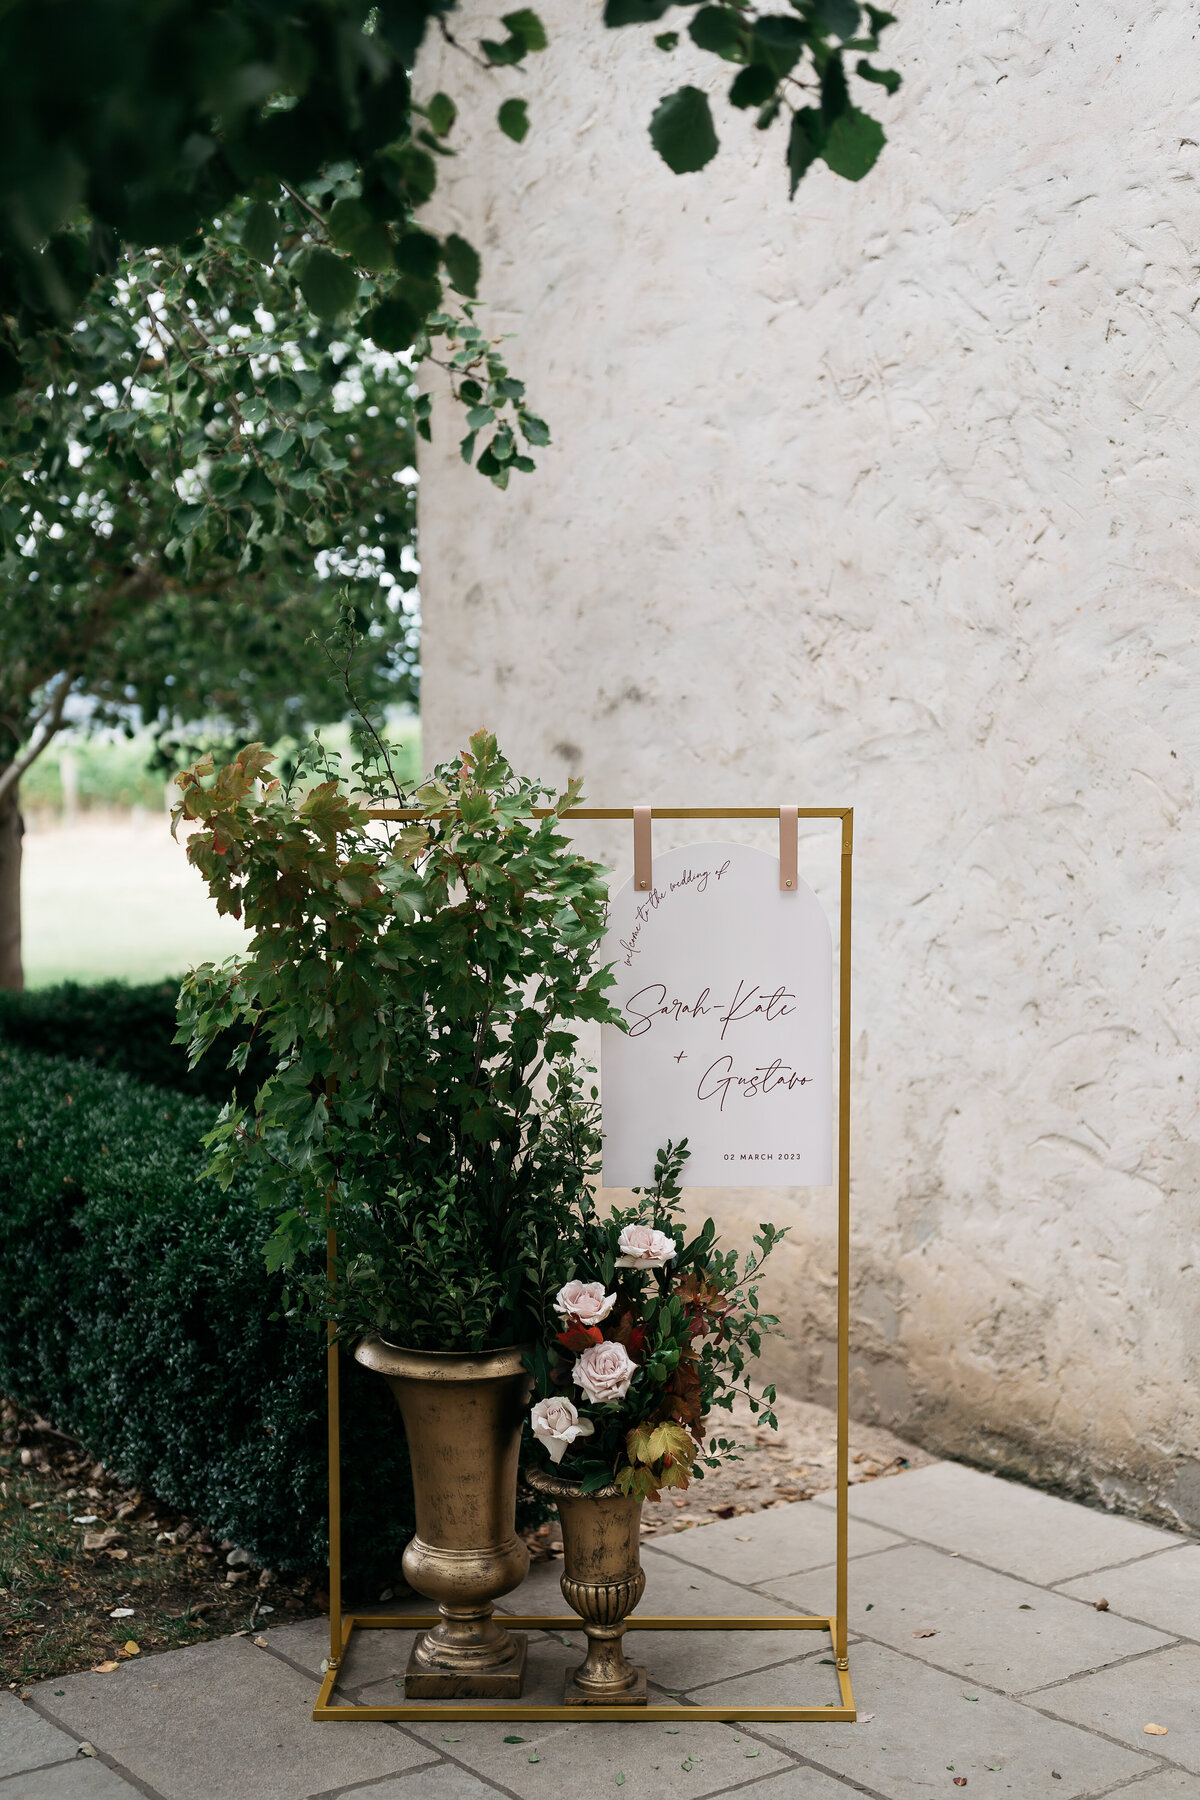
x=343, y=1626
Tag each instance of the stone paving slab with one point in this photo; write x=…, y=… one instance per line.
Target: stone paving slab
x=83, y=1779
x=801, y=1783
x=27, y=1741
x=759, y=1547
x=1170, y=1784
x=1162, y=1590
x=1014, y=1529
x=922, y=1724
x=439, y=1781
x=221, y=1721
x=992, y=1628
x=1162, y=1689
x=659, y=1762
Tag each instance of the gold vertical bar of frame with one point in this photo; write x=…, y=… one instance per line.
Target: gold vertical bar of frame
x=843, y=1251
x=335, y=1467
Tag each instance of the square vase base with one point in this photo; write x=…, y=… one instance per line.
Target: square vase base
x=574, y=1695
x=421, y=1683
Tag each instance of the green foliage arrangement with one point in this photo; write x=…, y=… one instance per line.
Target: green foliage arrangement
x=416, y=984
x=136, y=1313
x=657, y=1331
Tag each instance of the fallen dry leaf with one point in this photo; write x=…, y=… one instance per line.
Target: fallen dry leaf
x=960, y=1781
x=1155, y=1730
x=260, y=1643
x=132, y=1649
x=1100, y=1605
x=924, y=1633
x=100, y=1540
x=105, y=1668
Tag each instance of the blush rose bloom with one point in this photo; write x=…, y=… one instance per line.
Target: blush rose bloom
x=604, y=1372
x=584, y=1302
x=642, y=1247
x=556, y=1424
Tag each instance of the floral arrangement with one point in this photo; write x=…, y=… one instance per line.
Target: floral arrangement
x=655, y=1331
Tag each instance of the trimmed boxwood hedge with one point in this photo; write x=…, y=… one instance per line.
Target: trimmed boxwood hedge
x=122, y=1027
x=136, y=1312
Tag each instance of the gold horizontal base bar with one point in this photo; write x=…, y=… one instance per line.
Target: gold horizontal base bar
x=846, y=1713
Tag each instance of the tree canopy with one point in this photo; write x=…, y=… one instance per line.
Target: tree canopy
x=214, y=293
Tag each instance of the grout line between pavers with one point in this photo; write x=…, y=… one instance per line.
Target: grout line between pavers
x=1111, y=1568
x=1130, y=1784
x=803, y=1764
x=101, y=1756
x=1118, y=1662
x=365, y=1787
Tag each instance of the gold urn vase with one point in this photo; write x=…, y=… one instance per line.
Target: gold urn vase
x=463, y=1416
x=602, y=1581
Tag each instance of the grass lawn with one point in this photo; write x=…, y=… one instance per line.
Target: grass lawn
x=117, y=897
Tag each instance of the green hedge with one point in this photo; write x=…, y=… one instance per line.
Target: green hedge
x=121, y=1027
x=135, y=1311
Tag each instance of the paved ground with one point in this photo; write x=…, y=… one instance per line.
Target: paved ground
x=980, y=1659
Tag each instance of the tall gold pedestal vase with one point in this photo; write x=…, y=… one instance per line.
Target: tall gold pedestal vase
x=602, y=1581
x=463, y=1416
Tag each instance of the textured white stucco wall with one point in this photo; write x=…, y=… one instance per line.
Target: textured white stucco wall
x=888, y=497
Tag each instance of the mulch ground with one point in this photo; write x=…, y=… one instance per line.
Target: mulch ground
x=94, y=1572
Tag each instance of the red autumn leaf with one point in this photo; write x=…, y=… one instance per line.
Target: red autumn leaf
x=580, y=1338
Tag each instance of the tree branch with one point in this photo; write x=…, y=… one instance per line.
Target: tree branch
x=51, y=720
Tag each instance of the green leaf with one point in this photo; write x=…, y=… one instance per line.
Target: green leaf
x=635, y=12
x=462, y=264
x=778, y=43
x=804, y=145
x=852, y=144
x=839, y=16
x=393, y=323
x=717, y=29
x=681, y=130
x=753, y=86
x=512, y=50
x=514, y=120
x=277, y=443
x=879, y=19
x=329, y=284
x=535, y=430
x=185, y=519
x=667, y=40
x=260, y=232
x=835, y=96
x=353, y=229
x=526, y=25
x=418, y=253
x=282, y=393
x=441, y=113
x=886, y=78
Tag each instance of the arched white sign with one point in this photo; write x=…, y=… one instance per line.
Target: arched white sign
x=726, y=987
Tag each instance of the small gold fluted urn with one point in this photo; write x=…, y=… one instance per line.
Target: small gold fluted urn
x=602, y=1581
x=463, y=1416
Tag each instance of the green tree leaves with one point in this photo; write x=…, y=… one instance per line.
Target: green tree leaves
x=328, y=283
x=784, y=57
x=681, y=130
x=514, y=120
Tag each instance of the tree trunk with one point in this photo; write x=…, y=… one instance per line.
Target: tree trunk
x=12, y=829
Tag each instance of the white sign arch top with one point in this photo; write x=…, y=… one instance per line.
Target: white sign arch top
x=725, y=984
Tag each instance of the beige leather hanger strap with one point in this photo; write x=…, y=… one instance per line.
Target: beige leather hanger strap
x=643, y=852
x=788, y=849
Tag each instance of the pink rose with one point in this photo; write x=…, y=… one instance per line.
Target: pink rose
x=604, y=1372
x=556, y=1424
x=584, y=1302
x=642, y=1247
